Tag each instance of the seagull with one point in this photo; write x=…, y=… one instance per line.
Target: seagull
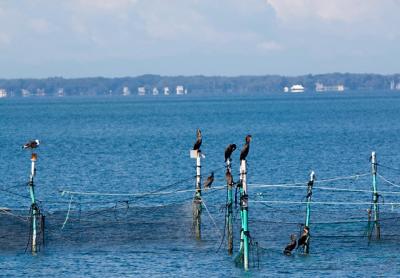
x=229, y=150
x=209, y=181
x=31, y=144
x=198, y=141
x=290, y=247
x=303, y=240
x=246, y=148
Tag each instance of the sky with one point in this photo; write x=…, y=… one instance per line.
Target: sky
x=115, y=38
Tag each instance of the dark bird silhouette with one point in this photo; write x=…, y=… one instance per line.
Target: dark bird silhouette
x=209, y=181
x=303, y=240
x=229, y=150
x=246, y=148
x=31, y=144
x=198, y=140
x=229, y=178
x=290, y=247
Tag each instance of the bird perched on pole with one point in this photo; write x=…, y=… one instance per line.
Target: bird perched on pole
x=198, y=140
x=290, y=247
x=304, y=238
x=228, y=177
x=229, y=150
x=246, y=148
x=31, y=144
x=209, y=181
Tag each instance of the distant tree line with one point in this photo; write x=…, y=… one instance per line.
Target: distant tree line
x=196, y=85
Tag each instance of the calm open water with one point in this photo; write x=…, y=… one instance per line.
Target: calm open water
x=137, y=145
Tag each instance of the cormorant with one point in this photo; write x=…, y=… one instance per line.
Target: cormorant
x=290, y=247
x=31, y=144
x=303, y=240
x=198, y=141
x=229, y=150
x=209, y=181
x=246, y=148
x=229, y=178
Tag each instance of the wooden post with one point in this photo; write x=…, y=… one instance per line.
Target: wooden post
x=34, y=208
x=308, y=209
x=197, y=197
x=229, y=216
x=244, y=213
x=374, y=168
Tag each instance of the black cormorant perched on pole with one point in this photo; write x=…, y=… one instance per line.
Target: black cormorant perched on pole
x=228, y=177
x=209, y=181
x=229, y=150
x=31, y=144
x=290, y=247
x=198, y=140
x=303, y=240
x=246, y=148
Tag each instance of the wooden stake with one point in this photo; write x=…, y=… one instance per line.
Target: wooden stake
x=374, y=168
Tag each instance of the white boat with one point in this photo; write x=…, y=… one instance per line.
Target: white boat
x=297, y=89
x=141, y=91
x=155, y=91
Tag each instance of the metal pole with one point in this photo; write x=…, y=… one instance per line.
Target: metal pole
x=197, y=198
x=374, y=168
x=244, y=209
x=308, y=210
x=33, y=203
x=230, y=211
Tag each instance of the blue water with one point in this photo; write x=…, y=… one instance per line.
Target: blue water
x=133, y=145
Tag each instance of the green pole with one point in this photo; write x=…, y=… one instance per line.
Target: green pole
x=230, y=211
x=244, y=210
x=374, y=167
x=33, y=204
x=197, y=199
x=308, y=208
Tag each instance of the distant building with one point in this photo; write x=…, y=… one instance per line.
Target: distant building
x=60, y=92
x=155, y=91
x=141, y=91
x=126, y=91
x=3, y=93
x=320, y=87
x=286, y=89
x=40, y=92
x=25, y=93
x=180, y=90
x=394, y=86
x=166, y=91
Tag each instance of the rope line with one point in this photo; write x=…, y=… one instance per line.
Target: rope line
x=387, y=181
x=330, y=189
x=321, y=203
x=63, y=192
x=212, y=218
x=304, y=184
x=67, y=216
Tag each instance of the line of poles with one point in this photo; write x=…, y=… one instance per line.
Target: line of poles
x=243, y=254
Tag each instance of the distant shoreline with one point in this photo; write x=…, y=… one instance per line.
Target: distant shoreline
x=196, y=85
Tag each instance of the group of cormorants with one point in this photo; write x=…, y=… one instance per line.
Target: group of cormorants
x=305, y=236
x=302, y=242
x=228, y=152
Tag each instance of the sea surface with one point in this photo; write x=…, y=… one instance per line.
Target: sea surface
x=111, y=146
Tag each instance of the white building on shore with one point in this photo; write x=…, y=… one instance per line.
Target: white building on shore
x=3, y=93
x=141, y=91
x=180, y=90
x=126, y=91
